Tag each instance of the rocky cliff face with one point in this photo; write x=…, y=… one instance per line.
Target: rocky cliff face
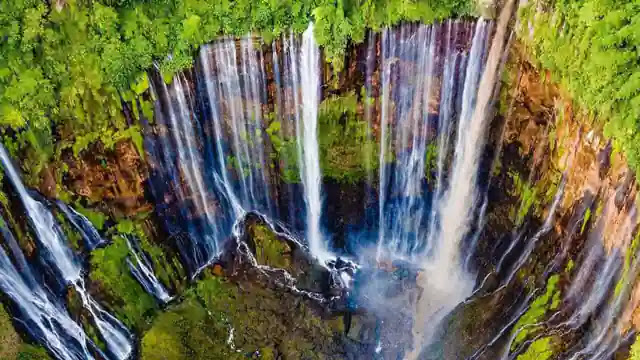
x=558, y=190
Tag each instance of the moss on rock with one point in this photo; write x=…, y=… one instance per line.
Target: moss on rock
x=347, y=151
x=110, y=273
x=549, y=300
x=268, y=249
x=11, y=344
x=9, y=338
x=220, y=319
x=540, y=349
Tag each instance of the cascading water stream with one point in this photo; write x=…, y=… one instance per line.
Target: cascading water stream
x=180, y=179
x=223, y=153
x=447, y=282
x=55, y=252
x=39, y=311
x=141, y=268
x=308, y=151
x=142, y=271
x=80, y=222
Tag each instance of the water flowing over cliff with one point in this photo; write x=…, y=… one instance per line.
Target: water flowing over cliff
x=57, y=257
x=436, y=198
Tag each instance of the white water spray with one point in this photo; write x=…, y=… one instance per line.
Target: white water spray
x=308, y=142
x=56, y=252
x=445, y=280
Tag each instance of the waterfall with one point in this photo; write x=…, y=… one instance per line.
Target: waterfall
x=446, y=281
x=409, y=216
x=445, y=123
x=142, y=271
x=54, y=251
x=53, y=246
x=141, y=268
x=404, y=226
x=89, y=234
x=308, y=141
x=178, y=175
x=39, y=311
x=213, y=157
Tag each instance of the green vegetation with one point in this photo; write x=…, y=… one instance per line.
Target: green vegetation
x=339, y=21
x=72, y=236
x=528, y=195
x=110, y=271
x=95, y=217
x=187, y=331
x=570, y=265
x=591, y=47
x=269, y=250
x=285, y=149
x=168, y=269
x=12, y=346
x=634, y=353
x=532, y=196
x=541, y=349
x=527, y=324
x=585, y=220
x=31, y=352
x=346, y=150
x=628, y=257
x=9, y=338
x=431, y=159
x=68, y=67
x=262, y=320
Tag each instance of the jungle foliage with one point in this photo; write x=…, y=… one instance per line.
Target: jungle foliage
x=591, y=47
x=68, y=68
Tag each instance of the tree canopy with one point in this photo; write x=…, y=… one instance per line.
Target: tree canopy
x=67, y=66
x=592, y=47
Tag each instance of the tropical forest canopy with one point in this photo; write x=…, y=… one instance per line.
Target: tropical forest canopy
x=68, y=66
x=592, y=47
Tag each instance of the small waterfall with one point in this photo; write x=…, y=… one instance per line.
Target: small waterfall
x=413, y=122
x=409, y=222
x=447, y=106
x=602, y=304
x=213, y=92
x=367, y=156
x=53, y=246
x=238, y=101
x=89, y=234
x=142, y=271
x=39, y=311
x=531, y=243
x=308, y=141
x=54, y=251
x=178, y=173
x=455, y=210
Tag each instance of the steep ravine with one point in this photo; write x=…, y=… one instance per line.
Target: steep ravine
x=551, y=246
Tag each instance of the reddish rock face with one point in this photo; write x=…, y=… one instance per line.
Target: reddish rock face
x=114, y=177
